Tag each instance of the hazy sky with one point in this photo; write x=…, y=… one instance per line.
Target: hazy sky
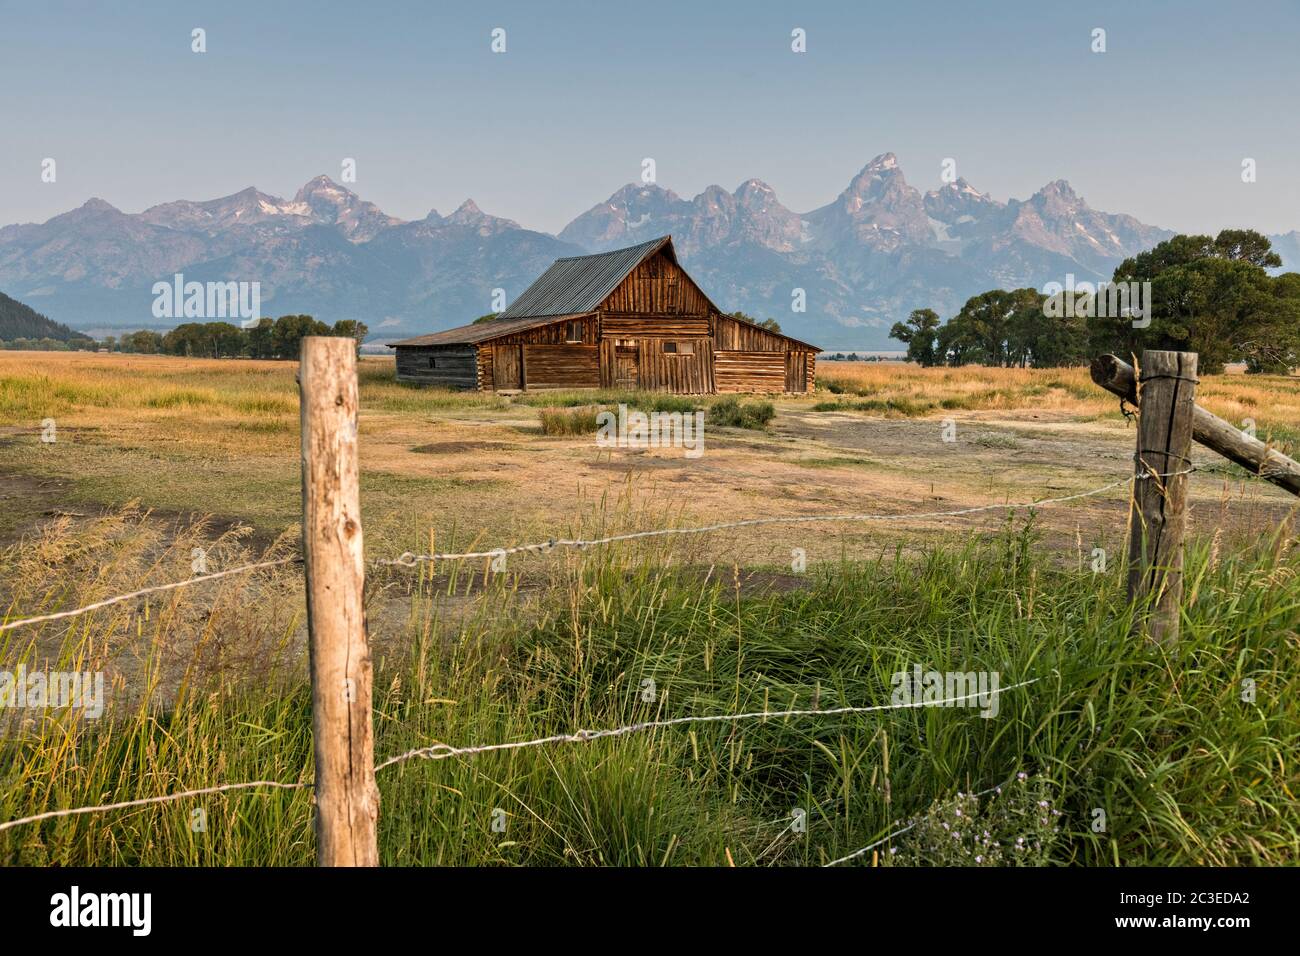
x=1157, y=126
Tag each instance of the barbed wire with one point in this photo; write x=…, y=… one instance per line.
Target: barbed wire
x=144, y=801
x=443, y=751
x=409, y=559
x=118, y=599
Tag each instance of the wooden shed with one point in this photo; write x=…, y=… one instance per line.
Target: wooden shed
x=627, y=319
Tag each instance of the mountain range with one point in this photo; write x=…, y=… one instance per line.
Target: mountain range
x=880, y=249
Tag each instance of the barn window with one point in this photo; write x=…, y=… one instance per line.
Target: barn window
x=433, y=362
x=670, y=348
x=685, y=348
x=573, y=332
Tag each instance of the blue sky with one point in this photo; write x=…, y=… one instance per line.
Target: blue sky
x=1157, y=126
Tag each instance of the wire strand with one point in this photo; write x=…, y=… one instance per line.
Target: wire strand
x=410, y=560
x=107, y=602
x=443, y=751
x=144, y=801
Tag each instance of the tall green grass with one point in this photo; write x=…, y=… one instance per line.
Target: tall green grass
x=1187, y=769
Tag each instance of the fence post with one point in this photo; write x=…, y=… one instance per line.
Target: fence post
x=347, y=800
x=1158, y=519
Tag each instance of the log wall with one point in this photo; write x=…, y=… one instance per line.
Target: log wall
x=561, y=366
x=448, y=366
x=750, y=371
x=623, y=325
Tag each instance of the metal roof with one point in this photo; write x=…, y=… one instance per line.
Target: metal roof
x=480, y=332
x=581, y=283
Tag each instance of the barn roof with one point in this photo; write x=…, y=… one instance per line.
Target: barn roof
x=571, y=288
x=581, y=283
x=476, y=333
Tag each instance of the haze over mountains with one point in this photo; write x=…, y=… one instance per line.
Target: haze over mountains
x=880, y=249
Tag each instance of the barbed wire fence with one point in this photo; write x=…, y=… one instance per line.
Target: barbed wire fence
x=328, y=380
x=441, y=751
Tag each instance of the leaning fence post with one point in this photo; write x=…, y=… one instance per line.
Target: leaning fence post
x=1158, y=519
x=347, y=800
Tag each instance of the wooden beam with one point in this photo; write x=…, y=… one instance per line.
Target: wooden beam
x=347, y=800
x=1158, y=520
x=1116, y=376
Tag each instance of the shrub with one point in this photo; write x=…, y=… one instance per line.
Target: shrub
x=569, y=421
x=731, y=412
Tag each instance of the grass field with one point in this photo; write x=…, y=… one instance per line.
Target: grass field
x=155, y=457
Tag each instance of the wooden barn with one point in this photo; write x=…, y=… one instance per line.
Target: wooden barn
x=627, y=319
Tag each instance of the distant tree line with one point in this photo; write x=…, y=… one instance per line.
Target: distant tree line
x=1212, y=296
x=47, y=344
x=269, y=339
x=278, y=339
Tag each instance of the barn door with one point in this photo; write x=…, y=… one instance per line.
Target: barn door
x=508, y=367
x=627, y=364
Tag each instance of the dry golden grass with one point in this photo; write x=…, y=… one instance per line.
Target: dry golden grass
x=191, y=437
x=1273, y=401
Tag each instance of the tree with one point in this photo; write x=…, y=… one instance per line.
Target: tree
x=143, y=342
x=984, y=330
x=290, y=330
x=260, y=344
x=485, y=318
x=351, y=328
x=920, y=333
x=1047, y=338
x=1213, y=297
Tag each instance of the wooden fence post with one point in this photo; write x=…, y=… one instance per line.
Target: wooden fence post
x=1158, y=520
x=347, y=800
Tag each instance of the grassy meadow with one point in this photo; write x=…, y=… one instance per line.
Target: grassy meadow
x=1188, y=750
